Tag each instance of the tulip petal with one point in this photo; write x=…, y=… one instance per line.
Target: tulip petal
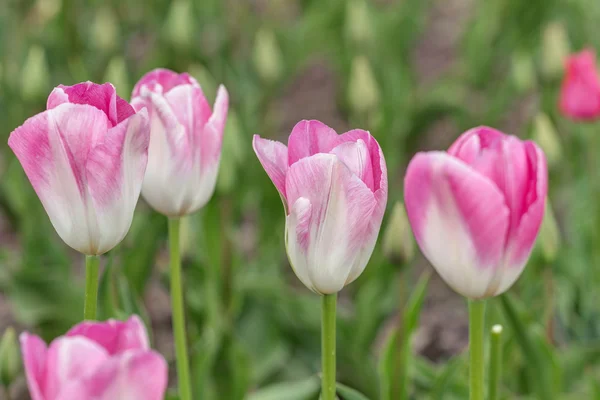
x=115, y=171
x=212, y=136
x=341, y=206
x=68, y=360
x=378, y=168
x=104, y=97
x=34, y=353
x=457, y=216
x=357, y=158
x=166, y=78
x=52, y=148
x=273, y=156
x=309, y=138
x=115, y=336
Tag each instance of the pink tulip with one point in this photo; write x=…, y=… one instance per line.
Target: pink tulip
x=476, y=210
x=95, y=361
x=334, y=190
x=185, y=143
x=580, y=93
x=85, y=158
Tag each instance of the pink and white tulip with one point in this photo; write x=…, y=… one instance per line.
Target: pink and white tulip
x=85, y=157
x=476, y=209
x=95, y=361
x=185, y=143
x=334, y=190
x=580, y=92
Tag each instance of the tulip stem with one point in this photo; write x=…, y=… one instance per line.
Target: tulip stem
x=495, y=362
x=92, y=265
x=183, y=371
x=328, y=316
x=476, y=333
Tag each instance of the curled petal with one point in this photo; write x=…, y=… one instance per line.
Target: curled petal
x=460, y=221
x=162, y=80
x=357, y=158
x=273, y=156
x=104, y=97
x=212, y=136
x=309, y=138
x=115, y=336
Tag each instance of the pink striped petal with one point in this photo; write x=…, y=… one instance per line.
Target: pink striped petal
x=104, y=97
x=378, y=168
x=212, y=136
x=115, y=336
x=309, y=138
x=53, y=148
x=162, y=80
x=34, y=354
x=338, y=232
x=68, y=360
x=274, y=158
x=459, y=219
x=357, y=158
x=134, y=375
x=115, y=172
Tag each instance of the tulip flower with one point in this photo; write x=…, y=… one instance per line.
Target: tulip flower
x=183, y=162
x=334, y=190
x=185, y=142
x=580, y=92
x=85, y=157
x=95, y=361
x=475, y=212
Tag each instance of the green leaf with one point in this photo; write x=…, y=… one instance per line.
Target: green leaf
x=302, y=390
x=348, y=393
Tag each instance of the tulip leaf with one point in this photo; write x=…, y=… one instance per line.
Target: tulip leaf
x=302, y=390
x=348, y=393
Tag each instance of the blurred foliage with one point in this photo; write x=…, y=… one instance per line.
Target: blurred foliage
x=253, y=329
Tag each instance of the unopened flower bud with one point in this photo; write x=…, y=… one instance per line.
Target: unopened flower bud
x=35, y=77
x=545, y=135
x=555, y=50
x=523, y=71
x=358, y=22
x=398, y=242
x=267, y=56
x=116, y=73
x=180, y=24
x=363, y=91
x=10, y=361
x=105, y=29
x=549, y=239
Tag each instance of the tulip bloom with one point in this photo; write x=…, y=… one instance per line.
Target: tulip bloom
x=580, y=92
x=185, y=143
x=85, y=157
x=476, y=210
x=334, y=190
x=95, y=361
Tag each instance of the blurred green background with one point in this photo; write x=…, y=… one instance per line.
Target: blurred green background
x=416, y=73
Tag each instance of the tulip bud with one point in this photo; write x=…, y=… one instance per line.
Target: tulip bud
x=35, y=77
x=545, y=135
x=233, y=154
x=398, y=242
x=363, y=91
x=116, y=73
x=10, y=361
x=180, y=24
x=549, y=238
x=267, y=56
x=523, y=71
x=358, y=22
x=105, y=29
x=555, y=50
x=580, y=90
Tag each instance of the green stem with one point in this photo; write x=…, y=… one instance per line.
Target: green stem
x=183, y=371
x=328, y=316
x=476, y=331
x=495, y=362
x=92, y=264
